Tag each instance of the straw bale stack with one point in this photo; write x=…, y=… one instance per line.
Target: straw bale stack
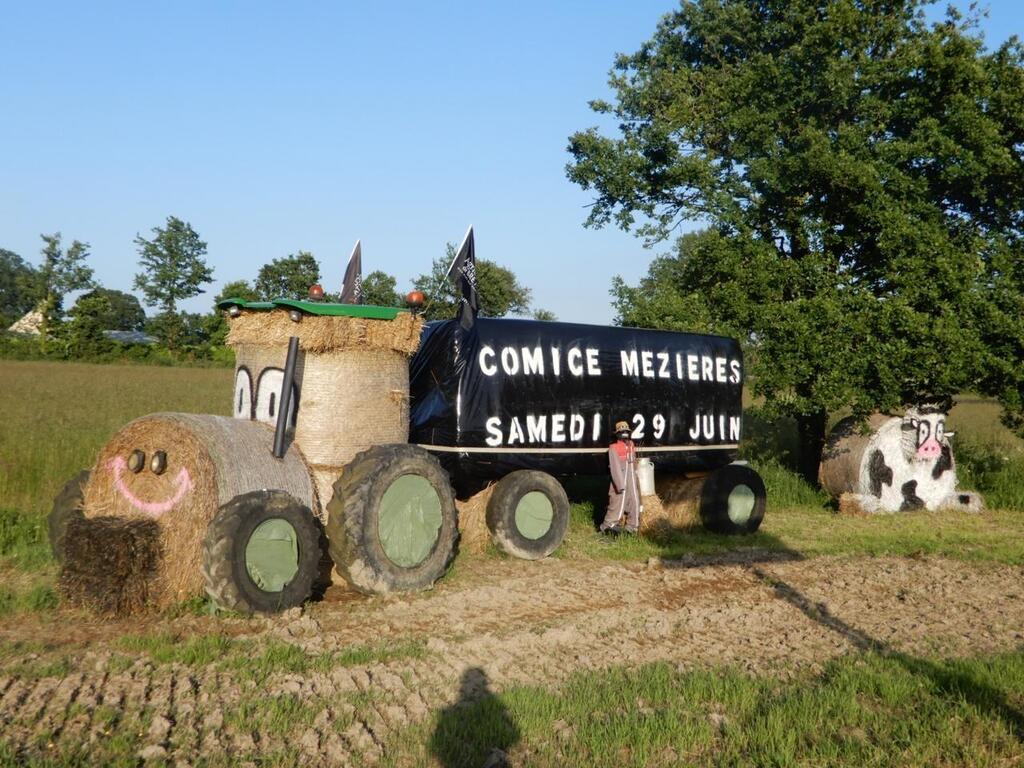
x=353, y=381
x=162, y=519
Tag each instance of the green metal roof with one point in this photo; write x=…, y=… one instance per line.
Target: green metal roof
x=321, y=308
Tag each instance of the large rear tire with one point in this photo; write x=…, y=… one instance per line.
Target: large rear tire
x=528, y=514
x=733, y=500
x=67, y=506
x=392, y=524
x=262, y=553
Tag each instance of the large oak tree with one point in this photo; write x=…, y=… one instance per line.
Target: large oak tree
x=859, y=174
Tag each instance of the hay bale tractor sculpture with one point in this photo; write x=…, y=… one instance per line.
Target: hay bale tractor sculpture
x=348, y=447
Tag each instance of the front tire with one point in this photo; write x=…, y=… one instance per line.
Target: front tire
x=528, y=514
x=392, y=524
x=262, y=553
x=733, y=500
x=67, y=506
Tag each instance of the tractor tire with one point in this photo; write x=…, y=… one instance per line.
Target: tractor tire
x=733, y=500
x=528, y=514
x=67, y=506
x=262, y=553
x=392, y=525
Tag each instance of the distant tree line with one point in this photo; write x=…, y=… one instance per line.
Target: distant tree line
x=173, y=268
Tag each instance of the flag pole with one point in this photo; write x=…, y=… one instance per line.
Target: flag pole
x=448, y=274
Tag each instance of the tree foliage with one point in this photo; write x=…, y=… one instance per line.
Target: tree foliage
x=61, y=272
x=173, y=265
x=288, y=278
x=18, y=287
x=379, y=289
x=860, y=172
x=123, y=312
x=173, y=269
x=83, y=335
x=499, y=290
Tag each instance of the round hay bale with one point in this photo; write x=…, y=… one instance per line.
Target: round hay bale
x=473, y=532
x=209, y=461
x=675, y=505
x=352, y=400
x=843, y=455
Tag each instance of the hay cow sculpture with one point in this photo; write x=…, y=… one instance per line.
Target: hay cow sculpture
x=331, y=457
x=898, y=464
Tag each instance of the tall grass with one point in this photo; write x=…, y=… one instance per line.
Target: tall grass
x=58, y=415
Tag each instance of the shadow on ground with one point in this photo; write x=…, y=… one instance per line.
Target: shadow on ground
x=943, y=678
x=477, y=730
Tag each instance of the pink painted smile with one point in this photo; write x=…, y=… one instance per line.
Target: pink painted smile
x=151, y=508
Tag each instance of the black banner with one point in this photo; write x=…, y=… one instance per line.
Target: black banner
x=525, y=394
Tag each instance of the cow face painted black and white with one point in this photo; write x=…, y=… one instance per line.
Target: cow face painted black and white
x=908, y=464
x=923, y=436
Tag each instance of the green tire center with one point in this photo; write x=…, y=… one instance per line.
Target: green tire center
x=741, y=504
x=534, y=514
x=409, y=520
x=272, y=555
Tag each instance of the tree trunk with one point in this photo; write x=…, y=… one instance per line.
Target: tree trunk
x=811, y=433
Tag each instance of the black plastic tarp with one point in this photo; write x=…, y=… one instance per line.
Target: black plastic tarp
x=527, y=394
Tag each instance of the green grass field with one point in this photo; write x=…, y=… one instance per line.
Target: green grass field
x=874, y=708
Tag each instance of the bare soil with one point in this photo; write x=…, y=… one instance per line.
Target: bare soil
x=532, y=623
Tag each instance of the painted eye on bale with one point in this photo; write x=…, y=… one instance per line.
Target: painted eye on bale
x=940, y=431
x=243, y=394
x=136, y=461
x=923, y=430
x=158, y=464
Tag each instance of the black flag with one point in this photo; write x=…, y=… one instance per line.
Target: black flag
x=463, y=272
x=352, y=288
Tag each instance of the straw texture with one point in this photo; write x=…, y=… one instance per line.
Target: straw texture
x=351, y=401
x=326, y=334
x=473, y=531
x=675, y=505
x=210, y=460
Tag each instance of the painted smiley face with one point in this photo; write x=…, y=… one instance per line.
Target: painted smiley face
x=180, y=487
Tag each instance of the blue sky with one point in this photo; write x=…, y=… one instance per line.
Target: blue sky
x=274, y=127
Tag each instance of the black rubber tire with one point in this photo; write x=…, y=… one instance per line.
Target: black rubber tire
x=228, y=582
x=353, y=537
x=67, y=505
x=501, y=514
x=714, y=499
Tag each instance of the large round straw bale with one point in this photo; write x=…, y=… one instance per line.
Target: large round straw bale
x=209, y=461
x=473, y=532
x=352, y=400
x=675, y=505
x=843, y=455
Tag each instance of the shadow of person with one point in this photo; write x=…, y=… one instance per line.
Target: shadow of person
x=476, y=730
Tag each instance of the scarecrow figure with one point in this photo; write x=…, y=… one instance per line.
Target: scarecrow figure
x=623, y=513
